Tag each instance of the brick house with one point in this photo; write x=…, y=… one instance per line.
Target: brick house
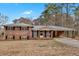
x=20, y=31
x=17, y=31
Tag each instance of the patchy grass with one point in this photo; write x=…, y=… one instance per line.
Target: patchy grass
x=42, y=45
x=35, y=48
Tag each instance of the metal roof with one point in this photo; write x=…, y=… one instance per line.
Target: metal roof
x=58, y=28
x=18, y=24
x=41, y=27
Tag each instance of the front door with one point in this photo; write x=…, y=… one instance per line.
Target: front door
x=41, y=34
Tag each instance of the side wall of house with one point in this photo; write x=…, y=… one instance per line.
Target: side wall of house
x=16, y=34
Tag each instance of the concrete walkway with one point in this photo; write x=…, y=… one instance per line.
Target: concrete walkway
x=68, y=41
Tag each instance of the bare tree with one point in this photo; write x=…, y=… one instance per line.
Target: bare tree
x=3, y=19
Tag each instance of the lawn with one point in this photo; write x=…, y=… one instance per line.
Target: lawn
x=36, y=48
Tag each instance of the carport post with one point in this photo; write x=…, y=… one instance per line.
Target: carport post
x=51, y=34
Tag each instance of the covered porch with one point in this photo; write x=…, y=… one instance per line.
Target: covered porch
x=46, y=34
x=52, y=31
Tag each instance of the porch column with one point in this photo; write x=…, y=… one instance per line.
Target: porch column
x=73, y=34
x=70, y=33
x=64, y=33
x=33, y=34
x=37, y=33
x=43, y=34
x=67, y=33
x=51, y=34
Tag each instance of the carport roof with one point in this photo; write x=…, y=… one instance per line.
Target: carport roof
x=56, y=28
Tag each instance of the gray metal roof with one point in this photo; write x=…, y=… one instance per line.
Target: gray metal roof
x=40, y=27
x=58, y=28
x=18, y=24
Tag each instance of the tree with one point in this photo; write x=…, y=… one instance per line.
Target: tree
x=58, y=13
x=3, y=19
x=76, y=24
x=76, y=12
x=23, y=20
x=50, y=9
x=69, y=11
x=61, y=6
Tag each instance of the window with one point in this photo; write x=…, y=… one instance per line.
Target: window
x=20, y=37
x=10, y=28
x=13, y=28
x=6, y=37
x=6, y=28
x=28, y=37
x=2, y=33
x=13, y=37
x=20, y=28
x=27, y=28
x=23, y=28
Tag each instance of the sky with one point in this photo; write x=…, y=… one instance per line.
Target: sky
x=17, y=10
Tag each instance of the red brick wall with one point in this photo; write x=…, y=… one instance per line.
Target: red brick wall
x=17, y=33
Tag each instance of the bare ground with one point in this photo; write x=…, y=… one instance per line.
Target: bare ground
x=36, y=48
